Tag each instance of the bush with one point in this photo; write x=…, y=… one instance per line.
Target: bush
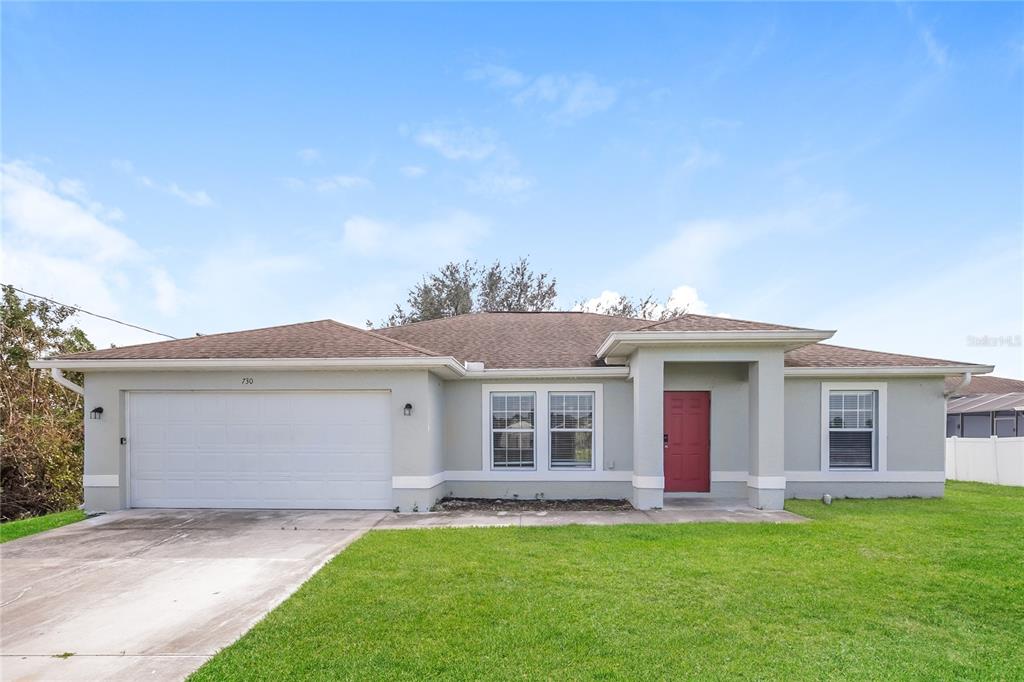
x=42, y=446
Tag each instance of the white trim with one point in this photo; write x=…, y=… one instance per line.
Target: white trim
x=541, y=437
x=446, y=363
x=866, y=476
x=767, y=482
x=793, y=338
x=544, y=373
x=538, y=476
x=729, y=476
x=654, y=482
x=101, y=480
x=934, y=370
x=419, y=482
x=881, y=426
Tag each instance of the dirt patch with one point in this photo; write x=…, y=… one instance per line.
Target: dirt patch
x=482, y=504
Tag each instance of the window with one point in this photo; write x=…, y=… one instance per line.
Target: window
x=543, y=431
x=571, y=424
x=977, y=425
x=513, y=422
x=851, y=429
x=1004, y=424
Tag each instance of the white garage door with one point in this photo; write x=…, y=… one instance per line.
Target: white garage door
x=271, y=450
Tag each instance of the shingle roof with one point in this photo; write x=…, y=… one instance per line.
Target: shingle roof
x=987, y=384
x=499, y=340
x=506, y=340
x=825, y=355
x=704, y=323
x=320, y=339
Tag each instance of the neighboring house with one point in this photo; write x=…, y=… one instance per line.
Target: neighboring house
x=986, y=406
x=559, y=404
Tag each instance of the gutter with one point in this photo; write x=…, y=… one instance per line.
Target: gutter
x=789, y=338
x=905, y=371
x=59, y=377
x=449, y=364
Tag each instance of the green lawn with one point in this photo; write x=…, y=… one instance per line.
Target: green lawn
x=12, y=530
x=894, y=589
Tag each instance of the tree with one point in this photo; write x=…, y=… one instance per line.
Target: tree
x=41, y=457
x=466, y=287
x=647, y=308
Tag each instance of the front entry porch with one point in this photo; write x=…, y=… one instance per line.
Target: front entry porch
x=708, y=425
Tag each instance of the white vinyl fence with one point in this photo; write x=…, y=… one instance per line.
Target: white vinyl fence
x=987, y=460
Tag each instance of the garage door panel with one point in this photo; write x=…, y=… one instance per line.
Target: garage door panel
x=269, y=450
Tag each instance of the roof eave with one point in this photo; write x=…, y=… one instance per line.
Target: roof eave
x=882, y=370
x=619, y=343
x=446, y=365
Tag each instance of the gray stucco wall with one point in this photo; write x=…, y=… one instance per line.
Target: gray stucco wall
x=463, y=421
x=915, y=423
x=416, y=441
x=730, y=409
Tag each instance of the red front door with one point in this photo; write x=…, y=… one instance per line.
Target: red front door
x=687, y=441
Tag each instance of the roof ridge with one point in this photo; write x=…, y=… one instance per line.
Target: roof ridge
x=509, y=312
x=387, y=338
x=716, y=317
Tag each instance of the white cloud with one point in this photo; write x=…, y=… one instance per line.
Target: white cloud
x=499, y=184
x=697, y=247
x=196, y=198
x=56, y=246
x=935, y=314
x=497, y=76
x=937, y=52
x=699, y=158
x=681, y=297
x=686, y=297
x=448, y=237
x=168, y=296
x=568, y=97
x=574, y=96
x=308, y=155
x=457, y=144
x=328, y=184
x=191, y=197
x=413, y=171
x=339, y=182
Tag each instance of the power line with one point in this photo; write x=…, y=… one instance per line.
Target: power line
x=83, y=310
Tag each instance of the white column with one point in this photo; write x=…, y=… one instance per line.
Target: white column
x=766, y=482
x=648, y=373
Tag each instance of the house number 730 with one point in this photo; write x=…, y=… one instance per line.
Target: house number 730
x=246, y=380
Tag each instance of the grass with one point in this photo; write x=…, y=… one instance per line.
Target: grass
x=12, y=530
x=870, y=589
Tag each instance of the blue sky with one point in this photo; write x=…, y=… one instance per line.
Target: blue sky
x=210, y=167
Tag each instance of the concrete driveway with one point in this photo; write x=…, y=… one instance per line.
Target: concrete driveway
x=143, y=594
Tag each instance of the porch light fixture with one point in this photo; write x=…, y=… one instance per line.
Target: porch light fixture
x=407, y=410
x=96, y=413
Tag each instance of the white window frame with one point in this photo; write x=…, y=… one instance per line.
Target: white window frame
x=881, y=437
x=552, y=431
x=542, y=432
x=492, y=431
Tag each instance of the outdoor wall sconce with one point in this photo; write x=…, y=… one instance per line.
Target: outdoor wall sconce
x=97, y=413
x=407, y=410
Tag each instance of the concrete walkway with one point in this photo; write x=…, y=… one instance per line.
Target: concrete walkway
x=152, y=594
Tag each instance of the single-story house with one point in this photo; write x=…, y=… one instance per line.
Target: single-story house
x=550, y=404
x=984, y=407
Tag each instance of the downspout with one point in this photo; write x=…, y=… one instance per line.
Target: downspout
x=964, y=383
x=59, y=377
